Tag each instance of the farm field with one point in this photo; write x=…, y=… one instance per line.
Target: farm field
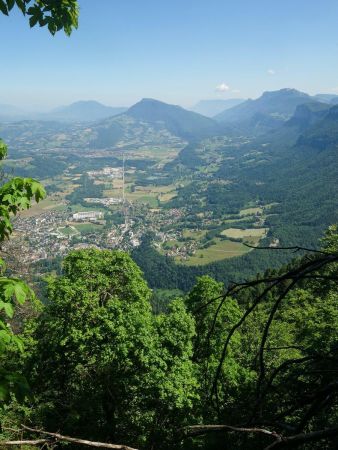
x=43, y=206
x=222, y=249
x=251, y=211
x=237, y=233
x=149, y=194
x=88, y=227
x=68, y=230
x=194, y=234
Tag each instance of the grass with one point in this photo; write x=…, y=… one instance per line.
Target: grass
x=88, y=227
x=78, y=208
x=41, y=207
x=197, y=235
x=250, y=211
x=223, y=249
x=237, y=233
x=68, y=231
x=150, y=200
x=243, y=219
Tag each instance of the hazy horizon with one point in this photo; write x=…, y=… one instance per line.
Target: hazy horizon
x=45, y=109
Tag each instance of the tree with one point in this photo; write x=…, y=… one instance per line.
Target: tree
x=212, y=327
x=103, y=366
x=291, y=318
x=15, y=195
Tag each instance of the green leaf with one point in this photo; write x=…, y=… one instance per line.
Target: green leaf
x=20, y=291
x=10, y=4
x=18, y=342
x=3, y=7
x=5, y=336
x=3, y=150
x=8, y=308
x=21, y=5
x=33, y=20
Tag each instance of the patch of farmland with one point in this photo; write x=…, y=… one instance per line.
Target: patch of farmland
x=222, y=249
x=250, y=211
x=237, y=233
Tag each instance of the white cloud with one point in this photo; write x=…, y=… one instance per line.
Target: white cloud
x=335, y=89
x=222, y=87
x=271, y=72
x=235, y=91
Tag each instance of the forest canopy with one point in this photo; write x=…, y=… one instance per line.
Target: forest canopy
x=102, y=366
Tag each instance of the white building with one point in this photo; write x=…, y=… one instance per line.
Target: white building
x=88, y=215
x=104, y=201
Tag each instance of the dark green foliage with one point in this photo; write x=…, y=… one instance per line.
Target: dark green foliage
x=103, y=366
x=55, y=15
x=16, y=195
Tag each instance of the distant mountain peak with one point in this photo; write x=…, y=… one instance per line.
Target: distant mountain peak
x=284, y=92
x=270, y=110
x=179, y=121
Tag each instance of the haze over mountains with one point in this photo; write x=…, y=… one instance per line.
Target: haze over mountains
x=210, y=108
x=81, y=111
x=84, y=111
x=274, y=106
x=155, y=122
x=277, y=104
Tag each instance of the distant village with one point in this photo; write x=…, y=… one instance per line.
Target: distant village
x=55, y=233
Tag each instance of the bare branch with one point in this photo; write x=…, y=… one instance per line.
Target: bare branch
x=294, y=275
x=295, y=248
x=280, y=441
x=299, y=439
x=198, y=430
x=24, y=442
x=60, y=437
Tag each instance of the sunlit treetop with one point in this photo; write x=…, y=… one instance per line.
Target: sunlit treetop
x=55, y=14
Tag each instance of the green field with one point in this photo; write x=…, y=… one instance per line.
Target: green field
x=42, y=207
x=88, y=227
x=77, y=208
x=194, y=234
x=68, y=231
x=237, y=233
x=250, y=211
x=223, y=249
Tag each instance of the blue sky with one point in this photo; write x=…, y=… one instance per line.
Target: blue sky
x=178, y=51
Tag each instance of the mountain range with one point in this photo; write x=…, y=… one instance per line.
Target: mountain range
x=81, y=111
x=271, y=108
x=153, y=122
x=269, y=113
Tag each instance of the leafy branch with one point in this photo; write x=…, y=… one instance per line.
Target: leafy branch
x=55, y=14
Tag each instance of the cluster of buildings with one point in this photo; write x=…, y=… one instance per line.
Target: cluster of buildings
x=104, y=201
x=107, y=172
x=88, y=215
